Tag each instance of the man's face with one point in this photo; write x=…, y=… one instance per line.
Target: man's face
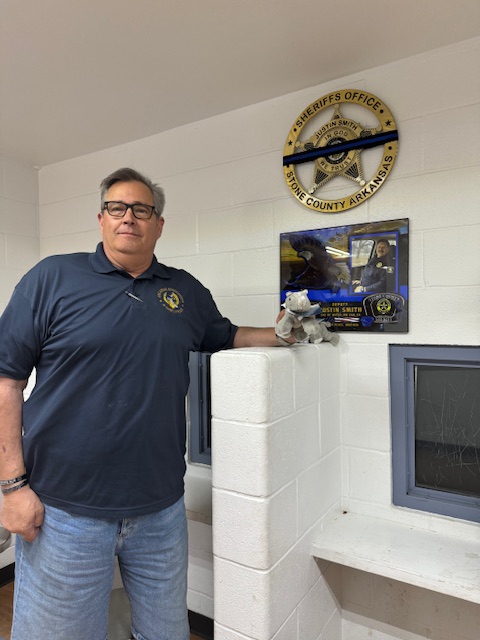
x=129, y=236
x=382, y=249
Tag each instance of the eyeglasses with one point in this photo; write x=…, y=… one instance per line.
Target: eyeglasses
x=119, y=209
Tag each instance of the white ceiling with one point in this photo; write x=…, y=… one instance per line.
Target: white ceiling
x=77, y=76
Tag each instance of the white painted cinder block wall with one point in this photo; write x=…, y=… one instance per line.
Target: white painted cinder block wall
x=226, y=205
x=19, y=243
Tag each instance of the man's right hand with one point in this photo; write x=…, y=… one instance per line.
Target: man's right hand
x=22, y=513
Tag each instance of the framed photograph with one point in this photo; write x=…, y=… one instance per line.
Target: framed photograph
x=357, y=273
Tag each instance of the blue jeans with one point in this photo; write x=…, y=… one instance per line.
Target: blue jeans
x=64, y=577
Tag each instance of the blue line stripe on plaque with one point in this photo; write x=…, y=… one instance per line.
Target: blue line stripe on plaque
x=360, y=143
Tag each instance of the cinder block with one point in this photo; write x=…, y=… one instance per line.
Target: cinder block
x=179, y=238
x=252, y=385
x=330, y=424
x=8, y=281
x=242, y=456
x=366, y=423
x=60, y=181
x=239, y=229
x=21, y=252
x=306, y=450
x=256, y=272
x=445, y=328
x=319, y=488
x=213, y=271
x=329, y=358
x=70, y=216
x=410, y=157
x=261, y=179
x=200, y=536
x=428, y=75
x=288, y=631
x=200, y=190
x=443, y=248
x=20, y=181
x=401, y=199
x=71, y=243
x=222, y=633
x=369, y=475
x=198, y=497
x=306, y=362
x=416, y=258
x=291, y=215
x=249, y=311
x=453, y=123
x=254, y=532
x=97, y=166
x=367, y=369
x=319, y=605
x=200, y=572
x=18, y=218
x=257, y=604
x=333, y=630
x=259, y=460
x=242, y=599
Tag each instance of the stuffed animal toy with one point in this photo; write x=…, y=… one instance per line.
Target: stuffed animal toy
x=300, y=316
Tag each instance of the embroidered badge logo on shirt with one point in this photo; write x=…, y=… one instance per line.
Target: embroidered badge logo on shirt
x=171, y=299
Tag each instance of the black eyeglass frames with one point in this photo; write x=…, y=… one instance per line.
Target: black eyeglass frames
x=119, y=209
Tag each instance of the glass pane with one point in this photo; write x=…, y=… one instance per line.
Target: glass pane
x=447, y=429
x=361, y=252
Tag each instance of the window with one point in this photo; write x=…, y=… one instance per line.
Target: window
x=435, y=411
x=199, y=409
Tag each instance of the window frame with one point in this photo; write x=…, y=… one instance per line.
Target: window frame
x=199, y=409
x=403, y=360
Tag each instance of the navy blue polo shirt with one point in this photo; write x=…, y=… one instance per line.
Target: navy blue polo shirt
x=104, y=428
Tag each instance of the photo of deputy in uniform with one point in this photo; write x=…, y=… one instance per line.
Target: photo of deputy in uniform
x=378, y=275
x=356, y=274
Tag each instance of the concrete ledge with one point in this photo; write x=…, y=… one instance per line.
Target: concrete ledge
x=199, y=517
x=198, y=495
x=7, y=556
x=441, y=563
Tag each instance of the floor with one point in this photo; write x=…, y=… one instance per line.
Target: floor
x=6, y=602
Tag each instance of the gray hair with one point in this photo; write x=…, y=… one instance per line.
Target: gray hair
x=130, y=175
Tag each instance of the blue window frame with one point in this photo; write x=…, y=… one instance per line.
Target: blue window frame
x=435, y=415
x=199, y=409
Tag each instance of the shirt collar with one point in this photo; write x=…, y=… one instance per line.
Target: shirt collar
x=101, y=264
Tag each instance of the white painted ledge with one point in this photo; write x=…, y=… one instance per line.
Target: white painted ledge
x=7, y=556
x=446, y=564
x=198, y=494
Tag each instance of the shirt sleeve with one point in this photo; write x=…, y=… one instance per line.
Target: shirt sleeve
x=219, y=333
x=19, y=339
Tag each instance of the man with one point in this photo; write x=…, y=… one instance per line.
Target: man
x=99, y=469
x=379, y=273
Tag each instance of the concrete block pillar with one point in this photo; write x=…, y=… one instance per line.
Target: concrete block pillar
x=273, y=483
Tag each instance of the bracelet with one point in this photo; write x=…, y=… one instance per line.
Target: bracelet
x=4, y=483
x=283, y=342
x=17, y=486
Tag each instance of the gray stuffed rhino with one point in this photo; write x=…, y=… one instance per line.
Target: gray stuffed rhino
x=300, y=316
